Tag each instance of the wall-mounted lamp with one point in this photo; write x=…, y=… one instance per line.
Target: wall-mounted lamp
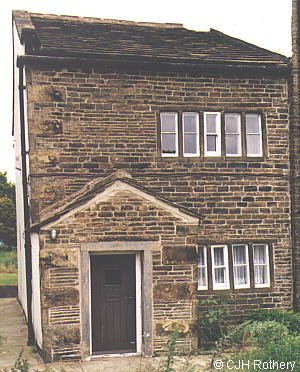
x=53, y=234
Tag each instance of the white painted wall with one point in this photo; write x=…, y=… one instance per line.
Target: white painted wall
x=19, y=50
x=36, y=291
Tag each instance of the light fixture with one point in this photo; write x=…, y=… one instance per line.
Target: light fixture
x=53, y=234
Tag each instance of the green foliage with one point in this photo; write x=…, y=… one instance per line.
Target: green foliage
x=189, y=366
x=21, y=365
x=167, y=365
x=285, y=350
x=8, y=279
x=7, y=212
x=211, y=325
x=270, y=330
x=274, y=335
x=236, y=333
x=6, y=188
x=288, y=318
x=8, y=262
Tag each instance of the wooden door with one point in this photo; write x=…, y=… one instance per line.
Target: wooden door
x=113, y=303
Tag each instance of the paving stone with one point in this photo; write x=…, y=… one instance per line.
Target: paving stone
x=14, y=331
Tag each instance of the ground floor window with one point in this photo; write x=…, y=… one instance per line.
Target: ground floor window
x=261, y=265
x=234, y=266
x=219, y=254
x=240, y=260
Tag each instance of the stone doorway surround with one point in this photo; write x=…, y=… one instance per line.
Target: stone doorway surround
x=145, y=250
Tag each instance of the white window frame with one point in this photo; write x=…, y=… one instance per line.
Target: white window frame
x=267, y=264
x=247, y=285
x=260, y=135
x=202, y=287
x=162, y=132
x=226, y=266
x=218, y=135
x=187, y=154
x=240, y=133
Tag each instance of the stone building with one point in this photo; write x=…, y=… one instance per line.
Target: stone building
x=153, y=171
x=295, y=144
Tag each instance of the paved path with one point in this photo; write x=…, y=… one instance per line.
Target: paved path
x=14, y=332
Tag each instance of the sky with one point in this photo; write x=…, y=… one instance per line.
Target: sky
x=265, y=23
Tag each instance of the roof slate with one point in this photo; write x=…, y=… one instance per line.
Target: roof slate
x=94, y=187
x=92, y=37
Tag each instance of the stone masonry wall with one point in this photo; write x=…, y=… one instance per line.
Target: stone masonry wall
x=85, y=125
x=124, y=216
x=295, y=143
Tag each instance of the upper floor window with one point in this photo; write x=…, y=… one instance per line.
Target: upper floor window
x=211, y=134
x=253, y=135
x=190, y=128
x=233, y=143
x=169, y=133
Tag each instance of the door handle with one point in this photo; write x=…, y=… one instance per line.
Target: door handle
x=130, y=298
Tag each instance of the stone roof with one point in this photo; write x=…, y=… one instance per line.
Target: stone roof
x=60, y=36
x=96, y=187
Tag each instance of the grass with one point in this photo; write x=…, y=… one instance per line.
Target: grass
x=8, y=279
x=8, y=261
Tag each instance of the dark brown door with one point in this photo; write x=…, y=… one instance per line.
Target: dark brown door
x=113, y=303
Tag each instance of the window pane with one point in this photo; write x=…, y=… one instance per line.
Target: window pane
x=259, y=254
x=261, y=264
x=168, y=122
x=201, y=276
x=190, y=143
x=239, y=254
x=112, y=277
x=212, y=134
x=232, y=144
x=220, y=275
x=202, y=256
x=260, y=274
x=240, y=275
x=240, y=264
x=252, y=123
x=219, y=256
x=253, y=144
x=168, y=143
x=232, y=124
x=233, y=134
x=211, y=123
x=202, y=279
x=211, y=143
x=190, y=122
